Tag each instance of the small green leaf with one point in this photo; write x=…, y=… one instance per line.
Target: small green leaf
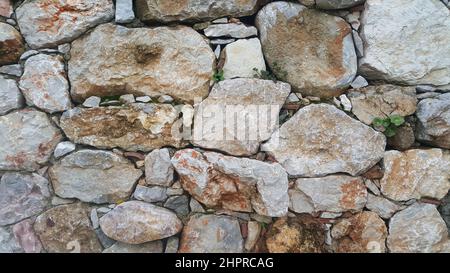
x=378, y=122
x=397, y=120
x=390, y=131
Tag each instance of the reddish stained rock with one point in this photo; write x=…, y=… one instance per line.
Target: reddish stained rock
x=47, y=23
x=301, y=234
x=6, y=8
x=11, y=44
x=26, y=237
x=238, y=184
x=28, y=139
x=363, y=232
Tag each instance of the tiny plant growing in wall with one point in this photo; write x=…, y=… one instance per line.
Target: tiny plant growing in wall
x=218, y=76
x=388, y=125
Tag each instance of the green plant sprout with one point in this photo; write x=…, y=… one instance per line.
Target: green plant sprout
x=388, y=125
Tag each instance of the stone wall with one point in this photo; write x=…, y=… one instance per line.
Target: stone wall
x=224, y=126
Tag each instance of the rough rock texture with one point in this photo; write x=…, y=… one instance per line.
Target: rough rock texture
x=10, y=96
x=44, y=83
x=256, y=104
x=418, y=229
x=301, y=234
x=334, y=193
x=11, y=44
x=211, y=234
x=242, y=57
x=26, y=237
x=382, y=206
x=141, y=61
x=382, y=101
x=406, y=41
x=6, y=8
x=231, y=30
x=158, y=168
x=134, y=127
x=237, y=184
x=137, y=222
x=67, y=228
x=315, y=142
x=94, y=176
x=151, y=247
x=47, y=23
x=28, y=139
x=433, y=124
x=22, y=196
x=337, y=4
x=317, y=56
x=194, y=10
x=8, y=244
x=416, y=174
x=364, y=232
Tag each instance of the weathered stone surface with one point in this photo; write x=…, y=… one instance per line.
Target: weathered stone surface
x=301, y=234
x=211, y=234
x=64, y=148
x=94, y=176
x=141, y=61
x=404, y=138
x=231, y=30
x=316, y=55
x=11, y=44
x=382, y=101
x=315, y=142
x=256, y=103
x=382, y=206
x=179, y=204
x=6, y=8
x=10, y=96
x=238, y=184
x=124, y=11
x=364, y=232
x=150, y=194
x=194, y=10
x=67, y=228
x=242, y=57
x=444, y=209
x=151, y=247
x=172, y=245
x=26, y=237
x=433, y=124
x=8, y=244
x=418, y=229
x=137, y=127
x=137, y=222
x=404, y=44
x=158, y=168
x=52, y=22
x=254, y=231
x=334, y=193
x=44, y=83
x=416, y=173
x=28, y=139
x=22, y=196
x=338, y=4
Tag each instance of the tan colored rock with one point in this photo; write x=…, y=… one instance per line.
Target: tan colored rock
x=321, y=139
x=382, y=101
x=309, y=49
x=237, y=184
x=194, y=10
x=6, y=8
x=136, y=127
x=418, y=229
x=256, y=105
x=11, y=44
x=364, y=232
x=141, y=61
x=301, y=234
x=416, y=173
x=67, y=228
x=48, y=23
x=137, y=222
x=334, y=193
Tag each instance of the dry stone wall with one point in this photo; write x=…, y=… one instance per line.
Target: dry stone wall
x=215, y=126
